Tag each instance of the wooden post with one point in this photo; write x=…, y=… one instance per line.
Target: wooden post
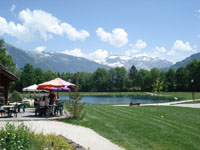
x=6, y=94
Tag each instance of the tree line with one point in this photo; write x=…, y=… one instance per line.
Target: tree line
x=119, y=79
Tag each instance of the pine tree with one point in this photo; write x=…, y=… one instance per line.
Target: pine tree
x=74, y=106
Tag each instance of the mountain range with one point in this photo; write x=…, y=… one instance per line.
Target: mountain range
x=60, y=62
x=56, y=62
x=140, y=62
x=187, y=60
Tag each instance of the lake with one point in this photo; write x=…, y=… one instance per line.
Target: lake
x=118, y=99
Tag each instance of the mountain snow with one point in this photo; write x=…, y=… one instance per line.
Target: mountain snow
x=140, y=62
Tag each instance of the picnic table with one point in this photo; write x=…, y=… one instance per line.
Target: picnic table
x=51, y=110
x=9, y=110
x=19, y=106
x=55, y=108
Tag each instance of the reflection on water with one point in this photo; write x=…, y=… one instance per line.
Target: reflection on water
x=117, y=99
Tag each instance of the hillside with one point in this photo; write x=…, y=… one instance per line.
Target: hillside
x=187, y=60
x=54, y=61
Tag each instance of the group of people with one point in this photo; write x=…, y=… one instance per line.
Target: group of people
x=43, y=105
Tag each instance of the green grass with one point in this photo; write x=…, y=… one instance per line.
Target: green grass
x=107, y=93
x=144, y=128
x=182, y=95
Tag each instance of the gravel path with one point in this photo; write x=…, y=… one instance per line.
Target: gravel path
x=81, y=135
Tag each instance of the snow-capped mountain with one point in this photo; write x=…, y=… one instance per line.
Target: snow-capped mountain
x=140, y=62
x=54, y=61
x=59, y=62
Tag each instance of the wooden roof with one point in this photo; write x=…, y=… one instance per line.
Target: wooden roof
x=8, y=74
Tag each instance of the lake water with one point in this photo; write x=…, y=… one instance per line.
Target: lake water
x=115, y=100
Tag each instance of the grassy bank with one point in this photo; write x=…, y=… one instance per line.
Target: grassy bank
x=182, y=95
x=144, y=128
x=108, y=93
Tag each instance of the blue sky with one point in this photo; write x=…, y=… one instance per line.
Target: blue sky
x=96, y=29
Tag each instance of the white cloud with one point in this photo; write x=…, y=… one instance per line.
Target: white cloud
x=40, y=22
x=180, y=45
x=75, y=52
x=139, y=44
x=117, y=38
x=136, y=48
x=98, y=56
x=142, y=55
x=160, y=49
x=131, y=52
x=116, y=64
x=12, y=8
x=172, y=52
x=40, y=49
x=16, y=30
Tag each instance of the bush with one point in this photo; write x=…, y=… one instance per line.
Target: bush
x=74, y=107
x=22, y=138
x=15, y=97
x=15, y=138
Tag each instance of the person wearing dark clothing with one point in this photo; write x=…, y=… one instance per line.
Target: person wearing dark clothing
x=52, y=97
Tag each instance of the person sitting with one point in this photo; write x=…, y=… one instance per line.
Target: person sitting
x=57, y=106
x=43, y=106
x=36, y=102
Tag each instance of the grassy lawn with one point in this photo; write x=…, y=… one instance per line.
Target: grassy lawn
x=182, y=95
x=144, y=128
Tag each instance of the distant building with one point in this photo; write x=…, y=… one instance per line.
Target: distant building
x=5, y=78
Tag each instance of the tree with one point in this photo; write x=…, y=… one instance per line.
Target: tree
x=74, y=106
x=49, y=75
x=181, y=79
x=100, y=80
x=132, y=74
x=194, y=74
x=85, y=81
x=38, y=75
x=157, y=85
x=120, y=78
x=111, y=79
x=15, y=97
x=170, y=79
x=140, y=79
x=27, y=77
x=6, y=59
x=155, y=74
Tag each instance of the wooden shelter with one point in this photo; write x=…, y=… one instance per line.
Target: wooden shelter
x=5, y=78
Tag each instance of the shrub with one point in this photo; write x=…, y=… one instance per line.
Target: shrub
x=74, y=107
x=15, y=97
x=15, y=138
x=22, y=138
x=52, y=141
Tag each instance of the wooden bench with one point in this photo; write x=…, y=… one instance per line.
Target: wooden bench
x=134, y=103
